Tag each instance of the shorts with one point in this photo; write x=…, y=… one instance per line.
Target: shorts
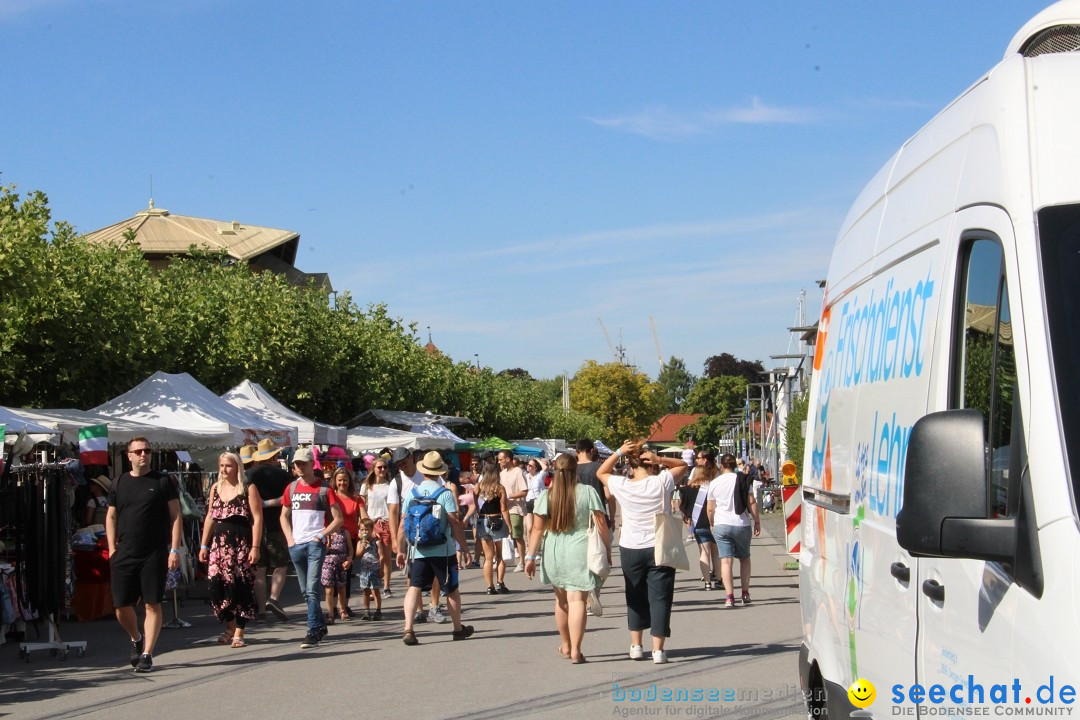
x=529, y=505
x=138, y=577
x=424, y=570
x=275, y=551
x=382, y=531
x=483, y=532
x=704, y=536
x=517, y=526
x=732, y=540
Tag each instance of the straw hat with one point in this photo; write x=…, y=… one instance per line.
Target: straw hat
x=103, y=482
x=432, y=464
x=246, y=452
x=265, y=450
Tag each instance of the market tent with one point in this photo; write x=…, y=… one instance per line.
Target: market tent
x=437, y=430
x=254, y=397
x=14, y=423
x=494, y=443
x=68, y=422
x=180, y=402
x=402, y=417
x=366, y=439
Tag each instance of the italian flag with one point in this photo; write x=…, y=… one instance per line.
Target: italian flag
x=94, y=445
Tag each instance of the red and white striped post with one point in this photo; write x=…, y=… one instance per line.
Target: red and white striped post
x=792, y=496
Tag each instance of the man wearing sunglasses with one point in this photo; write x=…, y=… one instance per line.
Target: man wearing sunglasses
x=144, y=529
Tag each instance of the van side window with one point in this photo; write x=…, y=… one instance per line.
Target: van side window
x=984, y=365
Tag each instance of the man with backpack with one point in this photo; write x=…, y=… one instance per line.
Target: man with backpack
x=305, y=506
x=429, y=527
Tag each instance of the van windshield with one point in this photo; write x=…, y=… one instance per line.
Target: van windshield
x=1059, y=247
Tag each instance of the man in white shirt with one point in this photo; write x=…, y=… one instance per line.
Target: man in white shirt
x=408, y=478
x=513, y=481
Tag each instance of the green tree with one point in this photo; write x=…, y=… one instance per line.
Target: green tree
x=622, y=398
x=675, y=383
x=728, y=364
x=793, y=432
x=716, y=396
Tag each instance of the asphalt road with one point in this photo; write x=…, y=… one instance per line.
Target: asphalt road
x=739, y=662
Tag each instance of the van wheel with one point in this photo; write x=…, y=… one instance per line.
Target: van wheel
x=815, y=696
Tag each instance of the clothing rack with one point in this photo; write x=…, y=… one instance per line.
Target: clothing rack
x=42, y=521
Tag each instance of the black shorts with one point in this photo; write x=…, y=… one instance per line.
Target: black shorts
x=135, y=577
x=529, y=505
x=425, y=570
x=275, y=551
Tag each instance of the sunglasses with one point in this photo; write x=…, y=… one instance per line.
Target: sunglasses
x=140, y=451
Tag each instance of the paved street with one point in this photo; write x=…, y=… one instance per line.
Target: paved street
x=741, y=662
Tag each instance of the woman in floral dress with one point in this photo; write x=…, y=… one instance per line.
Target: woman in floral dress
x=232, y=534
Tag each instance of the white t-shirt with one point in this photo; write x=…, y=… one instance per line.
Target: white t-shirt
x=722, y=491
x=640, y=501
x=376, y=501
x=536, y=485
x=407, y=485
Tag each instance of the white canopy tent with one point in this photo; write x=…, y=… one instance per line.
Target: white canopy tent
x=180, y=402
x=15, y=423
x=252, y=396
x=68, y=422
x=437, y=430
x=369, y=439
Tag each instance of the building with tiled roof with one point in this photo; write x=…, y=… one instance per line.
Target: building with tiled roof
x=664, y=429
x=163, y=235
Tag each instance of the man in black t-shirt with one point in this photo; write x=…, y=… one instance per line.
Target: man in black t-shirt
x=270, y=479
x=586, y=474
x=144, y=528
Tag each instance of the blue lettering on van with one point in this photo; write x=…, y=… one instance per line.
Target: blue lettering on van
x=879, y=467
x=881, y=339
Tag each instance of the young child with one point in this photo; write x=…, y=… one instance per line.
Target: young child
x=335, y=570
x=370, y=553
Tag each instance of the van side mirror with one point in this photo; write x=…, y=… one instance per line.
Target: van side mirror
x=946, y=510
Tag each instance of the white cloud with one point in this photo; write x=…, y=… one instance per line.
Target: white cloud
x=661, y=123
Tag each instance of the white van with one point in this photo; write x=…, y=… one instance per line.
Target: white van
x=941, y=539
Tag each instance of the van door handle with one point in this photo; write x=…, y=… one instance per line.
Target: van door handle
x=900, y=571
x=933, y=590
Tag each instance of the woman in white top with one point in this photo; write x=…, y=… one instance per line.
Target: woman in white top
x=733, y=512
x=535, y=473
x=374, y=491
x=649, y=589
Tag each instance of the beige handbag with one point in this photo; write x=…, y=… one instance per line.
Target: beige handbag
x=669, y=550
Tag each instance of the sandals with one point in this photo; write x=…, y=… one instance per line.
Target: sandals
x=224, y=638
x=238, y=642
x=409, y=638
x=346, y=614
x=579, y=660
x=564, y=655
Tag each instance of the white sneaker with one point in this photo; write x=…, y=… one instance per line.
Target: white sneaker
x=438, y=615
x=593, y=607
x=659, y=657
x=636, y=652
x=519, y=568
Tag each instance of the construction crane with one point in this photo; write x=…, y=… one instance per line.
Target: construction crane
x=611, y=347
x=656, y=341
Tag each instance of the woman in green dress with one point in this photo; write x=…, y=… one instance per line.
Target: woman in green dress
x=561, y=525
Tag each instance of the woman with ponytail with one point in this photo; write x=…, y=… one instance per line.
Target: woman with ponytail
x=560, y=530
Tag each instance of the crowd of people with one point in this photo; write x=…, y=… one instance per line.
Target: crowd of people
x=339, y=533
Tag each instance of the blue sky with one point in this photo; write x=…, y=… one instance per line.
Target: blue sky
x=504, y=173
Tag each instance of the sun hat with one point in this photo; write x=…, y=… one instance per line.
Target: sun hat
x=103, y=482
x=432, y=464
x=303, y=455
x=265, y=450
x=246, y=453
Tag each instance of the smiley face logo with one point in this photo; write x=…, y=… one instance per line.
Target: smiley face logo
x=861, y=693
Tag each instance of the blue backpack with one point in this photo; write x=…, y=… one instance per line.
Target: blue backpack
x=423, y=527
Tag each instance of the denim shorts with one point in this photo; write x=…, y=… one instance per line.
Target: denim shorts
x=704, y=536
x=732, y=540
x=484, y=532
